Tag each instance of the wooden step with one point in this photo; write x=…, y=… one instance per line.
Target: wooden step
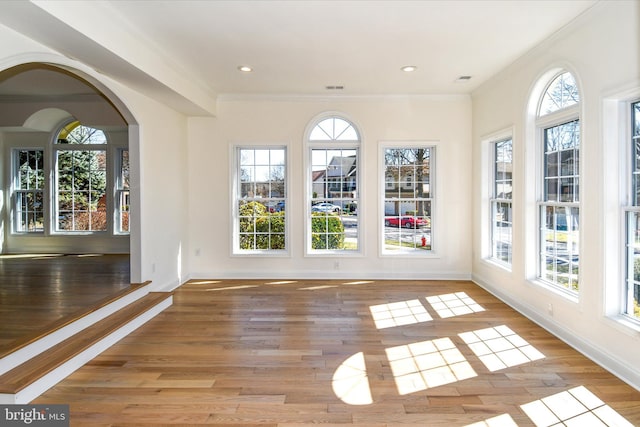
x=69, y=319
x=31, y=378
x=41, y=341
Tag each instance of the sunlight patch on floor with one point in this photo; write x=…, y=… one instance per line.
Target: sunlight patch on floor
x=231, y=288
x=204, y=282
x=399, y=314
x=427, y=364
x=316, y=288
x=503, y=420
x=350, y=382
x=359, y=282
x=500, y=347
x=575, y=407
x=456, y=304
x=33, y=256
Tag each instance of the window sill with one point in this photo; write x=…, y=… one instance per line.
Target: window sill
x=625, y=324
x=557, y=290
x=492, y=262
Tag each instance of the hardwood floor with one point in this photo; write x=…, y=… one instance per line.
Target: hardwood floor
x=382, y=353
x=36, y=291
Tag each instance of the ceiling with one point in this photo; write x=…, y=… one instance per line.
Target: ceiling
x=294, y=47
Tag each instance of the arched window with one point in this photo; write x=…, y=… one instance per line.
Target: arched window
x=80, y=154
x=558, y=122
x=333, y=186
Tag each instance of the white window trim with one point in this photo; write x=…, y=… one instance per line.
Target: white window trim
x=234, y=238
x=433, y=177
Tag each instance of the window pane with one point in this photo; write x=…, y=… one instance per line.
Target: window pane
x=122, y=193
x=407, y=200
x=561, y=93
x=559, y=231
x=502, y=231
x=334, y=129
x=334, y=186
x=636, y=119
x=501, y=222
x=28, y=191
x=81, y=195
x=29, y=211
x=75, y=133
x=560, y=245
x=632, y=291
x=261, y=199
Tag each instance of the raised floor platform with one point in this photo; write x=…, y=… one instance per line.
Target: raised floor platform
x=43, y=359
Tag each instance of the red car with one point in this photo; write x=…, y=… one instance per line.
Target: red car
x=405, y=221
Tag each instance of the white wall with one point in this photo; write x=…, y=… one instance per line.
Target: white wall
x=602, y=49
x=442, y=120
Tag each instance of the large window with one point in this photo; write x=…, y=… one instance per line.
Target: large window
x=501, y=201
x=28, y=190
x=334, y=145
x=81, y=179
x=632, y=294
x=78, y=183
x=559, y=211
x=261, y=200
x=408, y=199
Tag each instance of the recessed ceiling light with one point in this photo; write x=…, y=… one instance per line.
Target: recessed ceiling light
x=245, y=68
x=409, y=68
x=463, y=79
x=334, y=87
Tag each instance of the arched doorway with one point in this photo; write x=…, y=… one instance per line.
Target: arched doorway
x=50, y=270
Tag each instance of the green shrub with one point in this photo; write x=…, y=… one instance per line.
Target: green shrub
x=259, y=228
x=327, y=231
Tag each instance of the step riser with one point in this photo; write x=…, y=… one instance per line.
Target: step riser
x=18, y=357
x=43, y=384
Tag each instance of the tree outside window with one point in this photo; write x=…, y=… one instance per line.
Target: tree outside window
x=408, y=199
x=81, y=179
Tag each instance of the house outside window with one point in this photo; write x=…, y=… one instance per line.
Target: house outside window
x=260, y=200
x=408, y=199
x=632, y=295
x=559, y=207
x=28, y=187
x=333, y=192
x=501, y=201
